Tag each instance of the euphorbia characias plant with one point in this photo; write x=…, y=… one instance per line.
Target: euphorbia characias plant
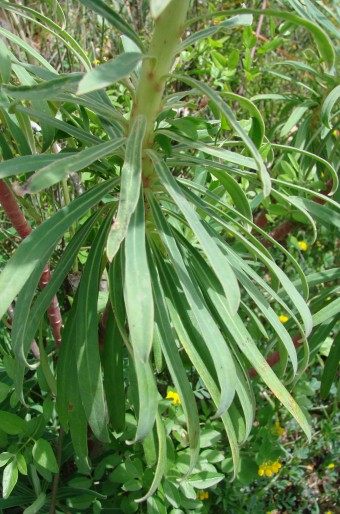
x=169, y=204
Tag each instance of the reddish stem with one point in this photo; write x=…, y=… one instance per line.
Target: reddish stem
x=19, y=222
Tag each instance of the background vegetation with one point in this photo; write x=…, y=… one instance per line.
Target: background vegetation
x=288, y=68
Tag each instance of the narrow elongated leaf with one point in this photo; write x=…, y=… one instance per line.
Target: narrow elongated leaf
x=328, y=105
x=137, y=286
x=162, y=462
x=331, y=310
x=28, y=255
x=113, y=370
x=148, y=400
x=325, y=163
x=27, y=164
x=131, y=178
x=321, y=213
x=86, y=334
x=101, y=8
x=170, y=351
x=218, y=349
x=26, y=322
x=69, y=406
x=53, y=28
x=228, y=113
x=234, y=21
x=27, y=48
x=57, y=170
x=76, y=132
x=192, y=342
x=110, y=72
x=221, y=153
x=218, y=263
x=235, y=191
x=44, y=90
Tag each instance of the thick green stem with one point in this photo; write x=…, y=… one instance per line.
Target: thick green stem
x=162, y=51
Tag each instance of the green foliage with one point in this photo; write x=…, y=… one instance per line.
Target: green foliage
x=163, y=272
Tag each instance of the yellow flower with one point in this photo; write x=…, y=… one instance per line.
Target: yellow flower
x=331, y=465
x=269, y=468
x=96, y=61
x=283, y=318
x=294, y=47
x=203, y=495
x=329, y=512
x=336, y=132
x=303, y=245
x=175, y=398
x=278, y=430
x=328, y=299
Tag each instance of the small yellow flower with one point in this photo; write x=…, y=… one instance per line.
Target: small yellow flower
x=336, y=132
x=96, y=61
x=269, y=468
x=175, y=397
x=328, y=299
x=329, y=512
x=303, y=245
x=294, y=47
x=283, y=318
x=331, y=465
x=278, y=430
x=203, y=495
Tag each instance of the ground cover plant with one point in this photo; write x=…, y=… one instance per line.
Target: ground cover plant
x=163, y=182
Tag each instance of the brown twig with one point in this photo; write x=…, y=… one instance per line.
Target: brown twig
x=19, y=222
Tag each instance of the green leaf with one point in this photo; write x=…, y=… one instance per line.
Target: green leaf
x=28, y=256
x=328, y=105
x=44, y=455
x=131, y=179
x=36, y=505
x=162, y=462
x=321, y=39
x=5, y=457
x=110, y=72
x=217, y=261
x=27, y=163
x=46, y=90
x=137, y=286
x=27, y=48
x=229, y=23
x=321, y=213
x=9, y=478
x=219, y=352
x=228, y=113
x=5, y=62
x=205, y=479
x=101, y=8
x=86, y=338
x=331, y=310
x=11, y=423
x=113, y=369
x=21, y=463
x=57, y=170
x=169, y=348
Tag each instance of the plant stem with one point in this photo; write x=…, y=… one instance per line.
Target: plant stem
x=155, y=69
